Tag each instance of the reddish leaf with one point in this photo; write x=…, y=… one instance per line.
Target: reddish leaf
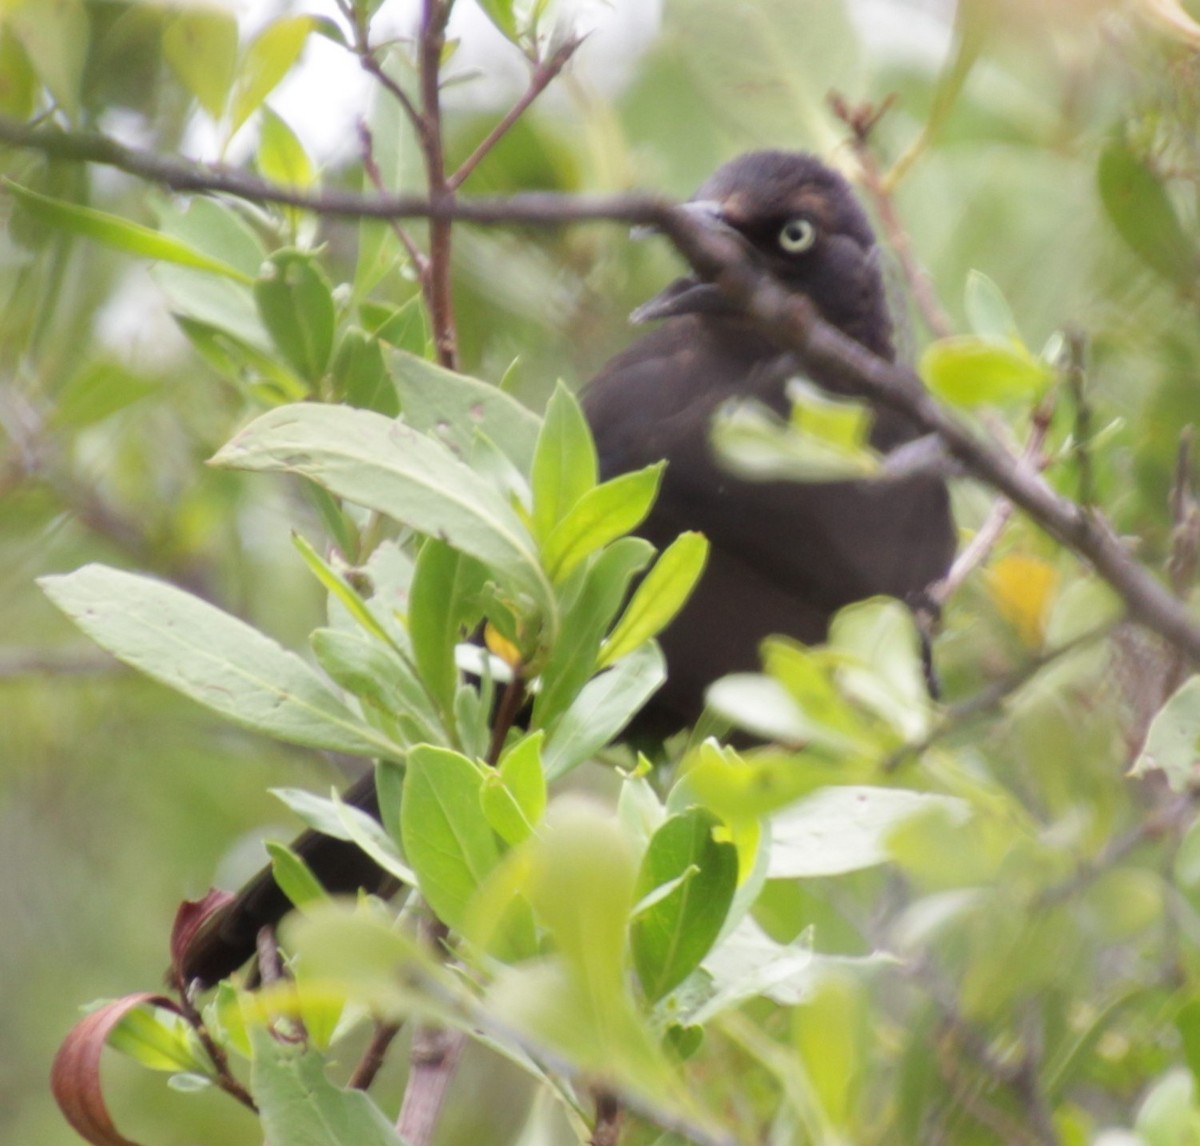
x=190, y=921
x=75, y=1077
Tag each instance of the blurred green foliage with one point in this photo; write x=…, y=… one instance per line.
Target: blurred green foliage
x=1048, y=989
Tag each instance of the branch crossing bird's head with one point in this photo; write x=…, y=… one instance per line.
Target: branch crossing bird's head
x=801, y=220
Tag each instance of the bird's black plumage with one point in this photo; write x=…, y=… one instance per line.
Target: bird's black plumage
x=784, y=557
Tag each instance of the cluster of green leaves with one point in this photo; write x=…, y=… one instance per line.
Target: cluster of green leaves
x=892, y=926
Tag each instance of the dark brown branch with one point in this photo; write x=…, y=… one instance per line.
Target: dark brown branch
x=434, y=14
x=791, y=320
x=374, y=1056
x=534, y=208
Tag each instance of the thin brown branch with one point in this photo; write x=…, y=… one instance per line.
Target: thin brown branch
x=367, y=151
x=224, y=1075
x=434, y=14
x=607, y=1129
x=862, y=120
x=543, y=75
x=988, y=536
x=374, y=1056
x=510, y=707
x=1170, y=820
x=180, y=174
x=1077, y=384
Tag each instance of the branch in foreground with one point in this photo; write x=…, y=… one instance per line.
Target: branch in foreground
x=791, y=320
x=533, y=208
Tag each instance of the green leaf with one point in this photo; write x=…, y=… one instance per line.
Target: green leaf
x=606, y=704
x=360, y=376
x=458, y=407
x=295, y=303
x=381, y=680
x=565, y=467
x=55, y=36
x=337, y=586
x=581, y=886
x=102, y=388
x=1173, y=743
x=671, y=938
x=446, y=835
x=214, y=228
x=754, y=442
x=500, y=12
x=969, y=371
x=201, y=45
x=159, y=1040
x=213, y=658
x=294, y=877
x=660, y=596
x=298, y=1105
x=1169, y=1114
x=362, y=955
x=334, y=817
x=988, y=313
x=112, y=231
x=883, y=668
x=281, y=156
x=388, y=466
x=443, y=599
x=832, y=1032
x=242, y=362
x=268, y=59
x=841, y=829
x=19, y=86
x=574, y=657
x=1144, y=215
x=514, y=795
x=599, y=517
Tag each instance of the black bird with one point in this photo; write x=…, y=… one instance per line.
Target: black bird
x=784, y=556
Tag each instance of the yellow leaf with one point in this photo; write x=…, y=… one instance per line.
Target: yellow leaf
x=1023, y=589
x=501, y=647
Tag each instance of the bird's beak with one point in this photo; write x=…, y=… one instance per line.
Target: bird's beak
x=686, y=295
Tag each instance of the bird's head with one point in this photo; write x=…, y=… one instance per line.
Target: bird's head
x=802, y=222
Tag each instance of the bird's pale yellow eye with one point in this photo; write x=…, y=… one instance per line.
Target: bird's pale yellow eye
x=797, y=235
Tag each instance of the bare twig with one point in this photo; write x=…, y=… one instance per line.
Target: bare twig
x=988, y=536
x=374, y=1056
x=861, y=120
x=1171, y=819
x=224, y=1075
x=543, y=75
x=434, y=14
x=415, y=254
x=510, y=707
x=1077, y=384
x=180, y=174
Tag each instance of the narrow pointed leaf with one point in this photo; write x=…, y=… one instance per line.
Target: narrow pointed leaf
x=113, y=231
x=214, y=658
